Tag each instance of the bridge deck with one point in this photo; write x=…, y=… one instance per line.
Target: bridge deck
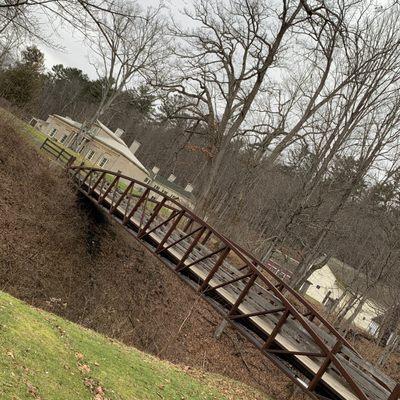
x=251, y=298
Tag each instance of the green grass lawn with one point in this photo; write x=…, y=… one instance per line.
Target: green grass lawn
x=46, y=357
x=36, y=137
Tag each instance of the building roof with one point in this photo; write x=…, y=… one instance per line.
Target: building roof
x=121, y=149
x=173, y=186
x=110, y=133
x=357, y=281
x=117, y=144
x=110, y=140
x=69, y=121
x=346, y=277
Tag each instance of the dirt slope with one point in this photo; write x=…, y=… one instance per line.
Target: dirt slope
x=59, y=254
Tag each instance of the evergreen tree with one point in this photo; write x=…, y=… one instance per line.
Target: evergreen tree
x=21, y=84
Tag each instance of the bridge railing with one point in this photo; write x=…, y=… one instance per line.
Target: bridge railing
x=179, y=234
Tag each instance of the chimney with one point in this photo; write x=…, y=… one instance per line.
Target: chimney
x=119, y=132
x=171, y=178
x=189, y=188
x=155, y=170
x=134, y=146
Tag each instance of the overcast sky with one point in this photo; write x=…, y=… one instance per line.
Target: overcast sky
x=75, y=52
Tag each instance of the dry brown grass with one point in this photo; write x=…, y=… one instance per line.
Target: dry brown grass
x=57, y=253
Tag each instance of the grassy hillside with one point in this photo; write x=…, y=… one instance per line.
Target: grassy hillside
x=46, y=357
x=59, y=254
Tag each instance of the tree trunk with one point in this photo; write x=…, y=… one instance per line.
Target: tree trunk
x=354, y=314
x=209, y=182
x=346, y=308
x=388, y=351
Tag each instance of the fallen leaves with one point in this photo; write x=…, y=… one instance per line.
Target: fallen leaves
x=10, y=354
x=92, y=384
x=33, y=391
x=84, y=368
x=97, y=390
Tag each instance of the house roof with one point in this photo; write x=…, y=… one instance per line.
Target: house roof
x=359, y=282
x=173, y=186
x=346, y=276
x=69, y=121
x=109, y=139
x=110, y=133
x=117, y=144
x=121, y=149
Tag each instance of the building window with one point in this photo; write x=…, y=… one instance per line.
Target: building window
x=63, y=139
x=318, y=287
x=53, y=132
x=90, y=154
x=103, y=161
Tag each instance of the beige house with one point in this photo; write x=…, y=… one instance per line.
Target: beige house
x=101, y=147
x=105, y=149
x=332, y=286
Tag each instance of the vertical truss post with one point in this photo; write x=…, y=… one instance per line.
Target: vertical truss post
x=78, y=170
x=243, y=294
x=164, y=222
x=121, y=198
x=86, y=176
x=137, y=205
x=92, y=189
x=142, y=216
x=44, y=143
x=206, y=237
x=214, y=269
x=314, y=382
x=188, y=225
x=108, y=190
x=70, y=162
x=154, y=214
x=170, y=230
x=190, y=248
x=276, y=330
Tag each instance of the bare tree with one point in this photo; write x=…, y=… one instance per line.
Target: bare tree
x=129, y=48
x=21, y=15
x=361, y=116
x=224, y=64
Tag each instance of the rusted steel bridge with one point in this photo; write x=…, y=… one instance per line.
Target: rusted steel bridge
x=252, y=297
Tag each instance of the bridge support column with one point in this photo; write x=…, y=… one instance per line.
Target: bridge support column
x=220, y=329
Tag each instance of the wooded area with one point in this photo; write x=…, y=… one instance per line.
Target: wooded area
x=284, y=115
